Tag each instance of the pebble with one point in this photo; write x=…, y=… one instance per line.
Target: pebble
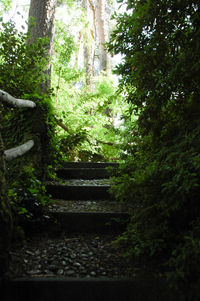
x=64, y=262
x=93, y=274
x=53, y=267
x=76, y=264
x=33, y=272
x=48, y=272
x=60, y=272
x=70, y=272
x=81, y=258
x=84, y=182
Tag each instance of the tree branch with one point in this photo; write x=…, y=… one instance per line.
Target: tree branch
x=107, y=143
x=15, y=152
x=15, y=102
x=62, y=125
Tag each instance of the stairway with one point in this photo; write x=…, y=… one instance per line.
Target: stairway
x=70, y=191
x=98, y=193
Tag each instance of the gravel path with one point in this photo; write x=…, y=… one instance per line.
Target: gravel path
x=82, y=256
x=75, y=255
x=89, y=206
x=82, y=182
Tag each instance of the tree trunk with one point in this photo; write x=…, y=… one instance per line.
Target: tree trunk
x=5, y=216
x=102, y=35
x=89, y=41
x=43, y=13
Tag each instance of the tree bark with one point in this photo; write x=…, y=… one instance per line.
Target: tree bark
x=15, y=102
x=6, y=222
x=89, y=41
x=102, y=35
x=43, y=13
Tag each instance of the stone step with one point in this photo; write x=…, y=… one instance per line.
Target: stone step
x=89, y=164
x=98, y=222
x=51, y=289
x=90, y=206
x=83, y=173
x=79, y=192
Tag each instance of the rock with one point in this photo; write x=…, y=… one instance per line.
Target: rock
x=48, y=273
x=68, y=260
x=60, y=272
x=77, y=264
x=53, y=267
x=63, y=262
x=30, y=253
x=34, y=272
x=93, y=274
x=83, y=255
x=70, y=273
x=37, y=252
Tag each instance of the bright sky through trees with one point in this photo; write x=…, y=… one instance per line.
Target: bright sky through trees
x=18, y=6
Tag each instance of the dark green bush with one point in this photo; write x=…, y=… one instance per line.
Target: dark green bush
x=160, y=72
x=22, y=68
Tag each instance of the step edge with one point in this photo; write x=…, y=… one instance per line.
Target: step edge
x=63, y=185
x=82, y=168
x=71, y=279
x=91, y=213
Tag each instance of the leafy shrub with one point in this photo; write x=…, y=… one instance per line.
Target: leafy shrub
x=28, y=195
x=21, y=74
x=160, y=73
x=89, y=120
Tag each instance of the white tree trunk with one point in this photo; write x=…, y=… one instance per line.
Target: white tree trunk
x=102, y=35
x=89, y=42
x=15, y=102
x=15, y=152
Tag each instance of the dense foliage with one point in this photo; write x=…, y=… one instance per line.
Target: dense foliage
x=160, y=76
x=87, y=116
x=21, y=74
x=88, y=113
